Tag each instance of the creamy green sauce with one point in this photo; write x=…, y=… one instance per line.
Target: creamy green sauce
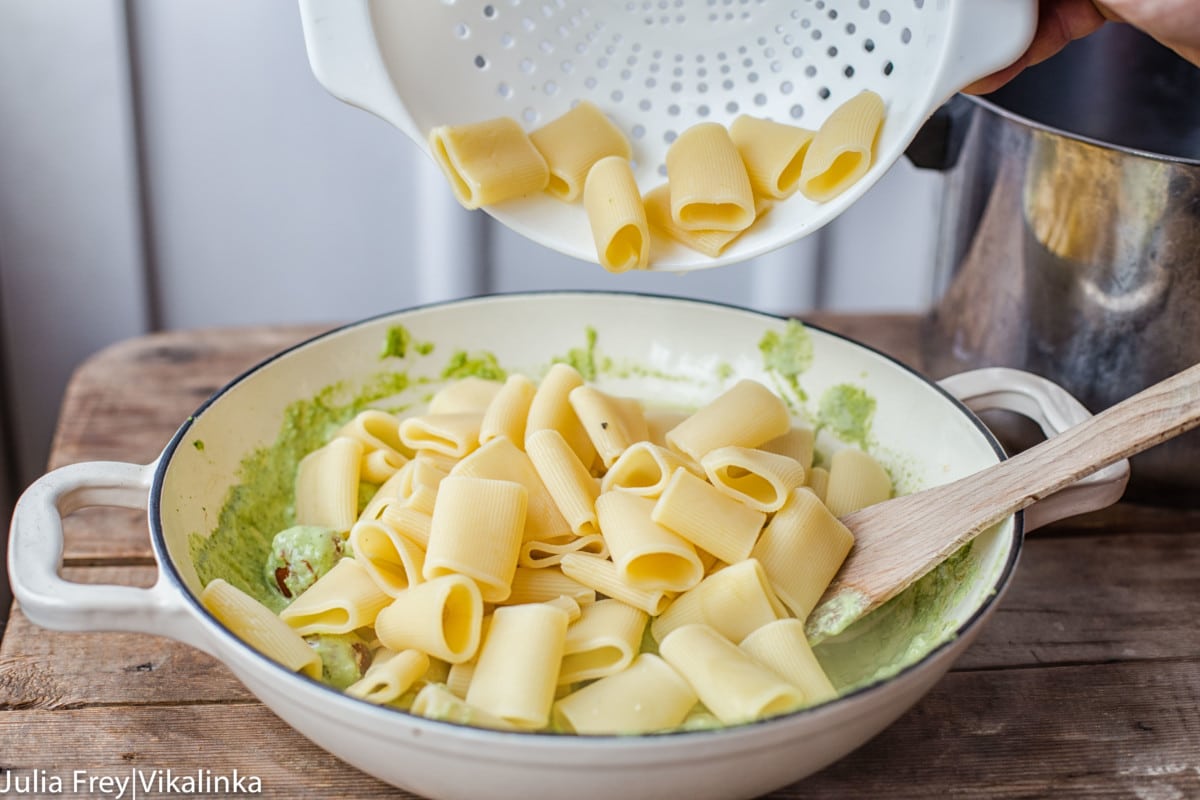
x=300, y=555
x=477, y=365
x=261, y=503
x=399, y=340
x=901, y=631
x=787, y=356
x=847, y=410
x=583, y=359
x=344, y=657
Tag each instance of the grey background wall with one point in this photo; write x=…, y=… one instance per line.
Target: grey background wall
x=175, y=165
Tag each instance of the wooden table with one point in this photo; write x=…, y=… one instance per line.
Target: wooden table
x=1085, y=684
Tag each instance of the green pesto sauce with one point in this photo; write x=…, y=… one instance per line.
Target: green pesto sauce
x=847, y=410
x=480, y=365
x=199, y=445
x=723, y=371
x=583, y=359
x=788, y=355
x=300, y=555
x=901, y=631
x=399, y=340
x=344, y=657
x=261, y=503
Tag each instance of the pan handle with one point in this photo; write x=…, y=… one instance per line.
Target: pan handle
x=1054, y=410
x=35, y=558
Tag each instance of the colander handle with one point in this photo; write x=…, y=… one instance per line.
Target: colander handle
x=344, y=54
x=1054, y=410
x=984, y=36
x=35, y=558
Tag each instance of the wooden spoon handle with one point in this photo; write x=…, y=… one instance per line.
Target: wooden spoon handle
x=899, y=541
x=1154, y=415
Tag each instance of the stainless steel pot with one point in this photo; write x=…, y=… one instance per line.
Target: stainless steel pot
x=1070, y=236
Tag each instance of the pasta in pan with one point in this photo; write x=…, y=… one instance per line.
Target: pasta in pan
x=515, y=585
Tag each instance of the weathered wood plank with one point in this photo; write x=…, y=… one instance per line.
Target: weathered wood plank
x=1111, y=731
x=1099, y=598
x=1006, y=734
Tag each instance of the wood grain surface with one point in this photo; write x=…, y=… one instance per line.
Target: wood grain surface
x=1084, y=684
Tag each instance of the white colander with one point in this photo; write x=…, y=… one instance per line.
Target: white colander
x=657, y=67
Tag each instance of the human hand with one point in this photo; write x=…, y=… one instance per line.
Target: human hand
x=1174, y=23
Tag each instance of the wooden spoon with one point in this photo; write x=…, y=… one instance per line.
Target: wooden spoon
x=898, y=541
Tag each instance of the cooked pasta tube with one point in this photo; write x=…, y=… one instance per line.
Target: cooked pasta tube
x=818, y=481
x=441, y=617
x=657, y=202
x=257, y=626
x=603, y=641
x=437, y=702
x=378, y=466
x=782, y=647
x=573, y=142
x=566, y=479
x=661, y=420
x=391, y=492
x=801, y=549
x=342, y=600
x=540, y=555
x=377, y=430
x=701, y=514
x=488, y=162
x=735, y=601
x=500, y=459
x=476, y=531
x=327, y=485
x=569, y=605
x=773, y=153
x=747, y=414
x=408, y=522
x=393, y=561
x=452, y=435
x=601, y=574
x=465, y=396
x=551, y=408
x=506, y=414
x=544, y=584
x=843, y=148
x=856, y=480
x=731, y=684
x=644, y=469
x=646, y=554
x=617, y=216
x=458, y=680
x=759, y=479
x=648, y=696
x=390, y=675
x=796, y=443
x=517, y=669
x=612, y=423
x=710, y=190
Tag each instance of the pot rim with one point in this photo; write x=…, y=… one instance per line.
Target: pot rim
x=1042, y=127
x=383, y=714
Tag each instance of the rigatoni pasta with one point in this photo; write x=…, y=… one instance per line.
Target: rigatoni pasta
x=710, y=190
x=253, y=623
x=488, y=162
x=450, y=599
x=843, y=148
x=573, y=142
x=773, y=153
x=617, y=216
x=476, y=531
